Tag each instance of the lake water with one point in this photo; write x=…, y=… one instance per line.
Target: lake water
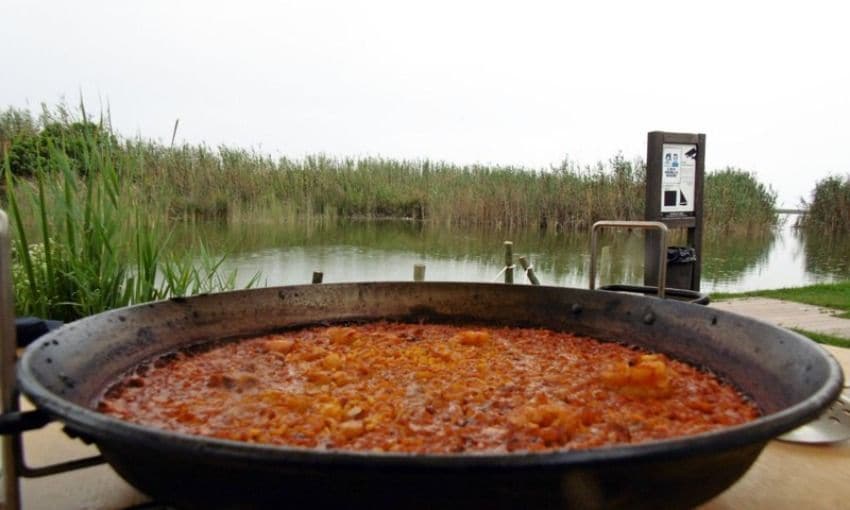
x=388, y=250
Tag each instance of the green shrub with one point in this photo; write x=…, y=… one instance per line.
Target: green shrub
x=28, y=142
x=78, y=141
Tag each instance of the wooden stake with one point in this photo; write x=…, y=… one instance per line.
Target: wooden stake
x=418, y=272
x=509, y=262
x=529, y=271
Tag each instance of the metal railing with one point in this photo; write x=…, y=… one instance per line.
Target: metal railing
x=644, y=225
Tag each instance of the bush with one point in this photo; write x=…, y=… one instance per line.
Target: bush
x=28, y=143
x=78, y=141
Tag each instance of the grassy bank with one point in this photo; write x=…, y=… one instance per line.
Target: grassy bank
x=829, y=295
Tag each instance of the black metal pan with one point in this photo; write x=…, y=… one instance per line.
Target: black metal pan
x=791, y=379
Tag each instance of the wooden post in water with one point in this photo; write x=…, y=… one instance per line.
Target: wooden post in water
x=509, y=262
x=317, y=276
x=529, y=271
x=418, y=272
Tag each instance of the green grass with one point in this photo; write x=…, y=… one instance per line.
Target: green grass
x=822, y=338
x=829, y=295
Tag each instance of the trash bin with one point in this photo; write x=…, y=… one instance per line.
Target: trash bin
x=680, y=266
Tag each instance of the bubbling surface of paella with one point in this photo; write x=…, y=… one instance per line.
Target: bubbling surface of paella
x=426, y=388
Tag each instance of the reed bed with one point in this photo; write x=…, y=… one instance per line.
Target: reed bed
x=237, y=184
x=90, y=207
x=828, y=212
x=199, y=183
x=735, y=201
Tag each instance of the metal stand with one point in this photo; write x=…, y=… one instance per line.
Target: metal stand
x=645, y=225
x=12, y=421
x=8, y=356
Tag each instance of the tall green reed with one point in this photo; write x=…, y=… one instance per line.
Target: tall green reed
x=233, y=185
x=236, y=185
x=85, y=243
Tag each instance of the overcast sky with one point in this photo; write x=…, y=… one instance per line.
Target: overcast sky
x=521, y=83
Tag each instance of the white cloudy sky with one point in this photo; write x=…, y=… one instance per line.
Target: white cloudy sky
x=466, y=81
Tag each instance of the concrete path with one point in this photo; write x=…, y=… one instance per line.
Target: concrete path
x=788, y=314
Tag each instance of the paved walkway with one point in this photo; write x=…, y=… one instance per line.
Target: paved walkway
x=788, y=314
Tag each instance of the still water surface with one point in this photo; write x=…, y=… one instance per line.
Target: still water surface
x=371, y=251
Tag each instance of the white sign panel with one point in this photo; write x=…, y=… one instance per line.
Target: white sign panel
x=678, y=177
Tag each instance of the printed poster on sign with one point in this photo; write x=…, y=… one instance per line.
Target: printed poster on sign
x=678, y=177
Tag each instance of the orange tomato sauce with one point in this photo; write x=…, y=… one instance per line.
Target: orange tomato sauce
x=397, y=387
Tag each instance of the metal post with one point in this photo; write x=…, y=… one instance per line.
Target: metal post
x=14, y=464
x=8, y=357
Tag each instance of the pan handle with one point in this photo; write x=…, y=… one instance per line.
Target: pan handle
x=16, y=422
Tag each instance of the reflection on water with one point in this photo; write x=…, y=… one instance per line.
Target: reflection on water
x=826, y=256
x=788, y=258
x=727, y=259
x=366, y=251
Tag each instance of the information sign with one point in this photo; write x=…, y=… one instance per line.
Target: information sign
x=678, y=178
